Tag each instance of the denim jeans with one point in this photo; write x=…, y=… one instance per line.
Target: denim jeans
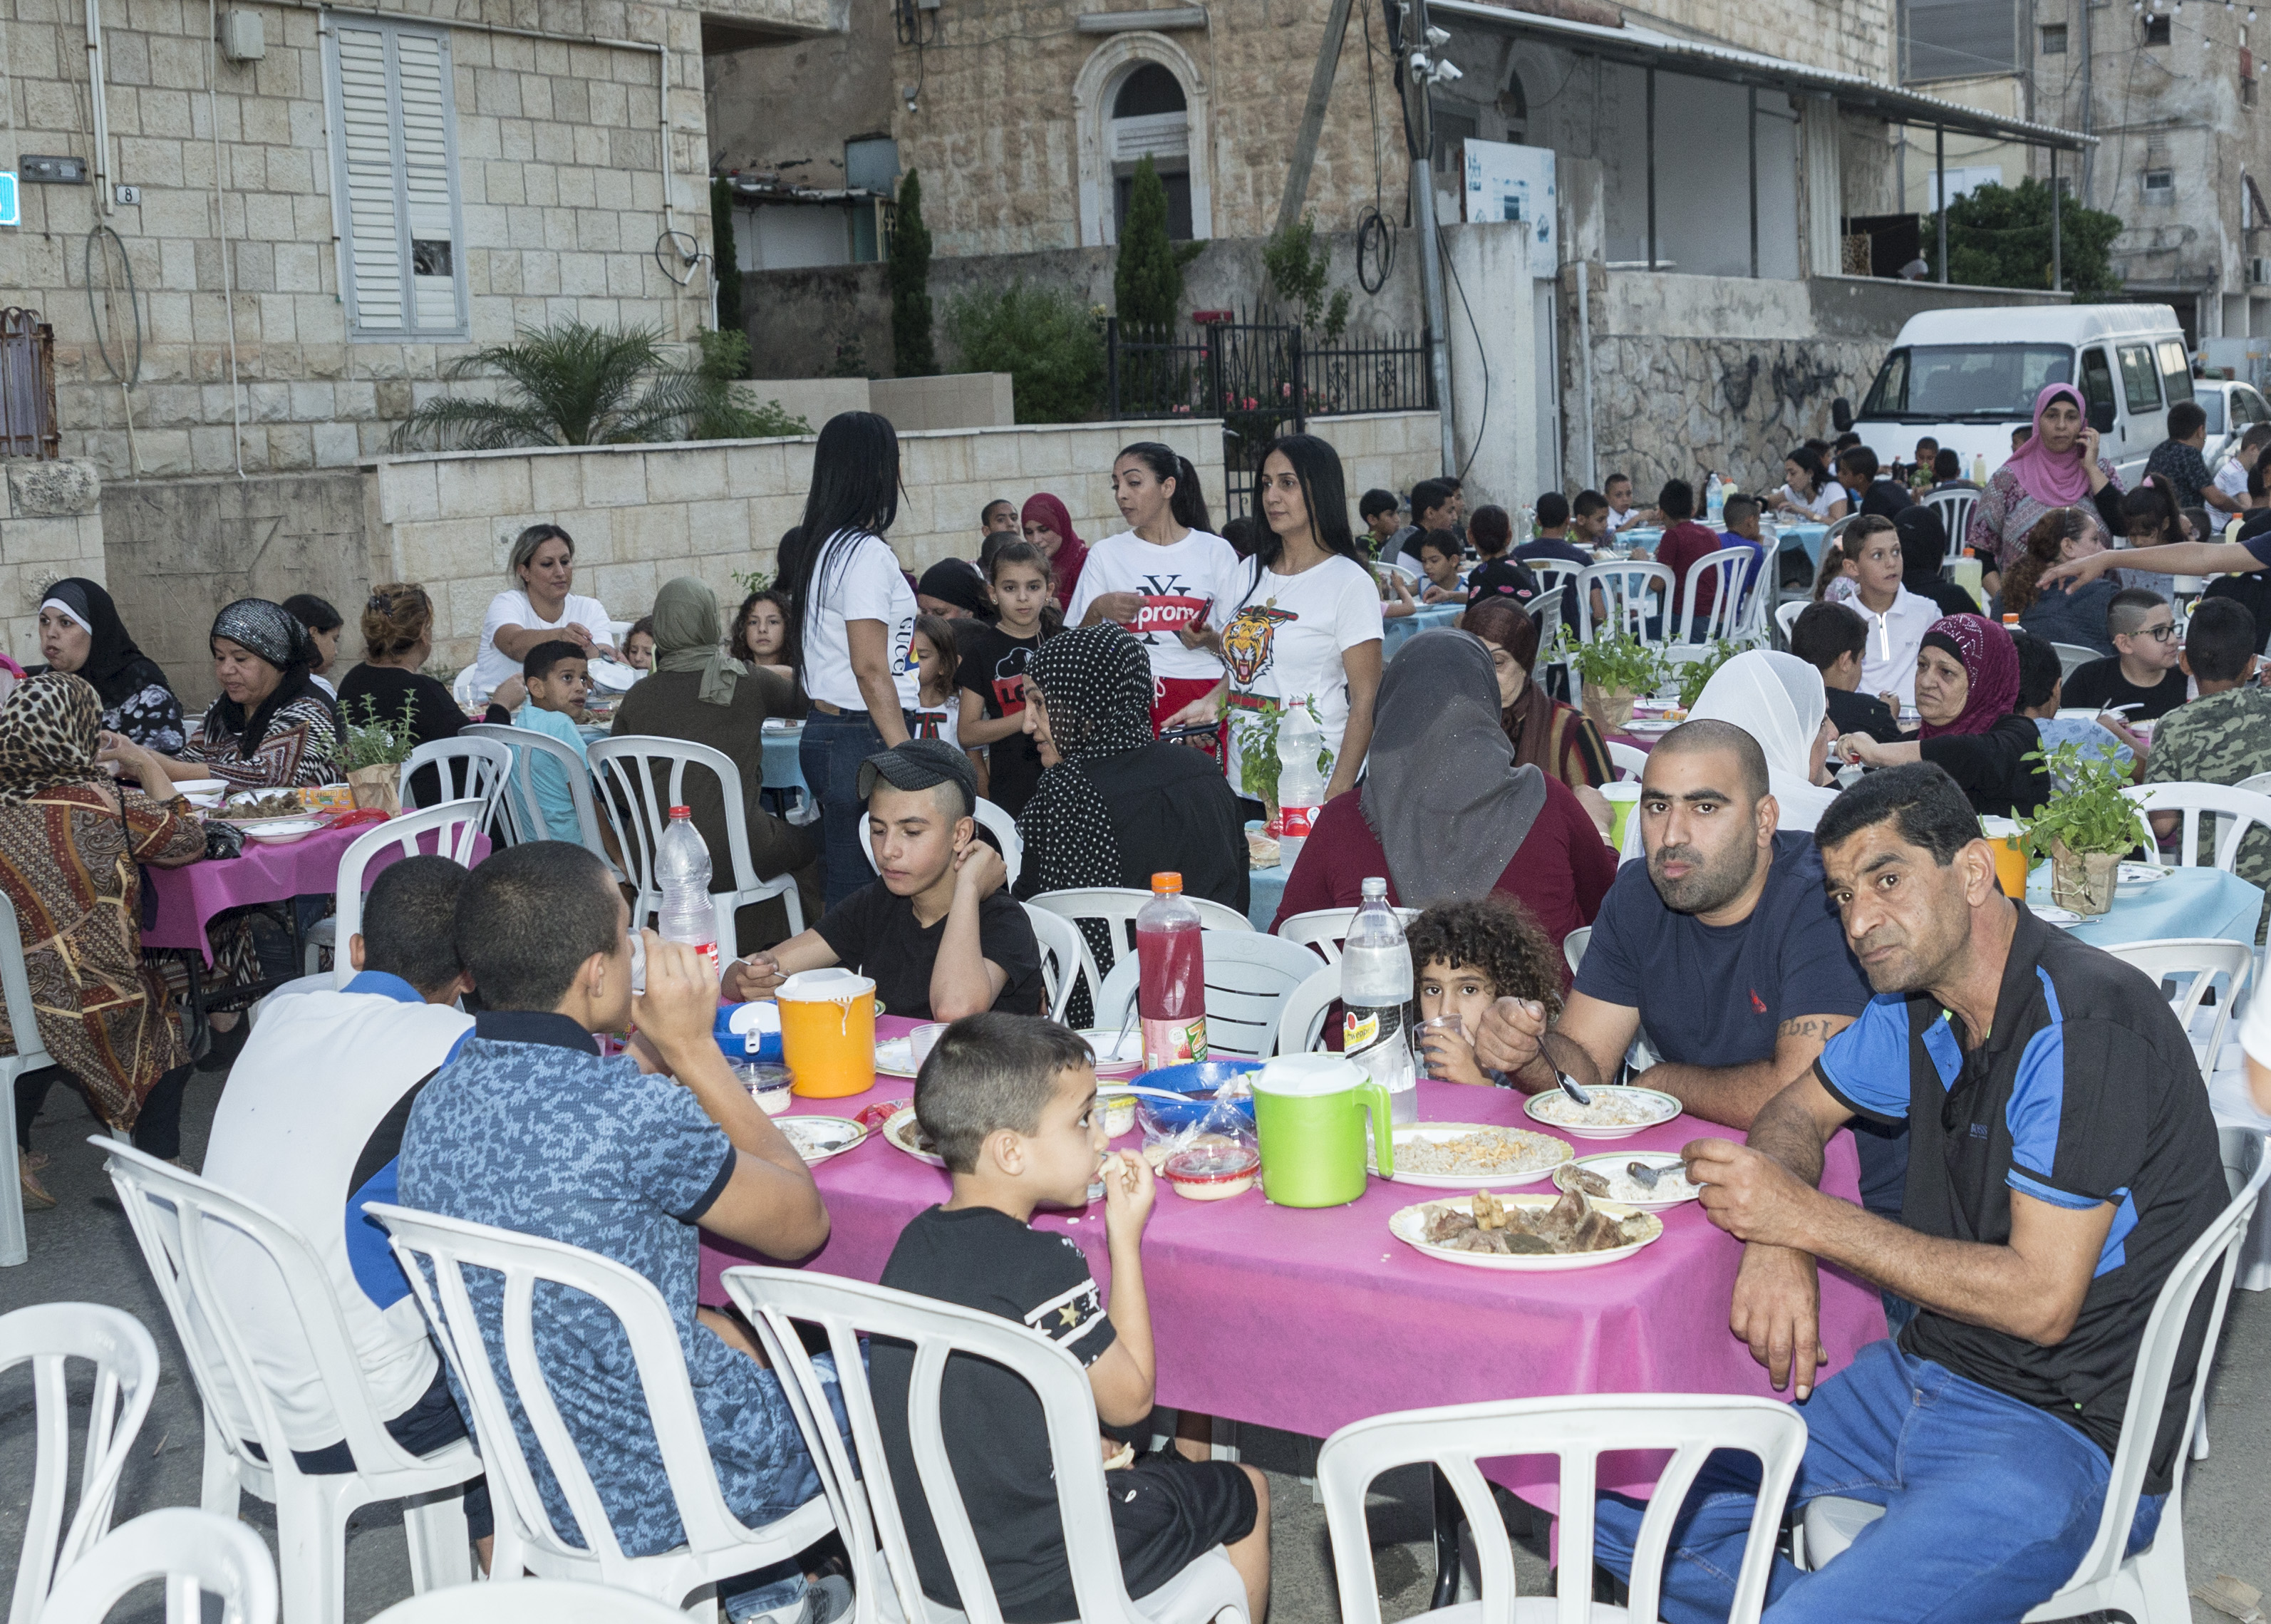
x=832, y=748
x=1990, y=1505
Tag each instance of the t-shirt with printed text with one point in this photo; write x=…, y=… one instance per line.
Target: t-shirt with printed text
x=1186, y=583
x=994, y=664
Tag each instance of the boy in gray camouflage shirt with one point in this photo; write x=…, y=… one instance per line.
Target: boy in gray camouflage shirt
x=2223, y=736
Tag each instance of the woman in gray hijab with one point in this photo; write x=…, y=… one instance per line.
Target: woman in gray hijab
x=1444, y=813
x=272, y=727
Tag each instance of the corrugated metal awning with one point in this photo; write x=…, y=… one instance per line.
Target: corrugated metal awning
x=1648, y=47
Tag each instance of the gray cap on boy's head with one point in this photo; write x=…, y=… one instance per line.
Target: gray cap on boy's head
x=921, y=764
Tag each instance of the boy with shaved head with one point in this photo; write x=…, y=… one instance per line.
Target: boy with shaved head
x=1719, y=950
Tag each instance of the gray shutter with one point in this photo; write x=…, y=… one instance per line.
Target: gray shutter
x=429, y=215
x=365, y=136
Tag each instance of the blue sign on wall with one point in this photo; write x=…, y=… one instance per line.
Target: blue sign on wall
x=8, y=209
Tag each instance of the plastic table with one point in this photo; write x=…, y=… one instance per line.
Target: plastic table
x=2191, y=902
x=1400, y=629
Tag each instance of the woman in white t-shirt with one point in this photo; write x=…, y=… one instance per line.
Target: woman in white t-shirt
x=854, y=632
x=542, y=609
x=1808, y=491
x=1167, y=578
x=1306, y=628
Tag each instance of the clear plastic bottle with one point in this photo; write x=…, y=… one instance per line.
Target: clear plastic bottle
x=681, y=874
x=1376, y=996
x=1171, y=984
x=1301, y=784
x=1979, y=469
x=1715, y=501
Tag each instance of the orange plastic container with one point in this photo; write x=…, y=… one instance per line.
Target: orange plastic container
x=828, y=1033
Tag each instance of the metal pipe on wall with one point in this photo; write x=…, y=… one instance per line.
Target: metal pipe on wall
x=1939, y=190
x=99, y=106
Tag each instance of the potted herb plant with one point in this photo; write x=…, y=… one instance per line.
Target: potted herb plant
x=1694, y=674
x=1615, y=669
x=371, y=753
x=2086, y=829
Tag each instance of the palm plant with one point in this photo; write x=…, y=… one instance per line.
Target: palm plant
x=567, y=384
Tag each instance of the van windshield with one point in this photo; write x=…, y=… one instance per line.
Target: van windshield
x=1940, y=382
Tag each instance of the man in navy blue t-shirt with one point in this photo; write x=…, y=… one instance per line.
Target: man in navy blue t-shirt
x=1720, y=950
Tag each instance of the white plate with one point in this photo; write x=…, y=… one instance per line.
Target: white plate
x=782, y=724
x=209, y=789
x=895, y=1057
x=1551, y=1153
x=1127, y=1061
x=902, y=1132
x=1610, y=1164
x=1662, y=1108
x=282, y=831
x=817, y=1138
x=1650, y=726
x=2137, y=877
x=1408, y=1225
x=2055, y=916
x=612, y=676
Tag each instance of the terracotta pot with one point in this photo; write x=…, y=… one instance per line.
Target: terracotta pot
x=2083, y=881
x=379, y=786
x=1611, y=712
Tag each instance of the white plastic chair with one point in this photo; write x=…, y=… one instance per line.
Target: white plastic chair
x=2235, y=811
x=1117, y=907
x=461, y=686
x=995, y=821
x=1301, y=1020
x=48, y=1335
x=1632, y=593
x=195, y=1553
x=434, y=1253
x=1249, y=979
x=455, y=825
x=2072, y=655
x=2261, y=784
x=1578, y=1431
x=1954, y=509
x=1574, y=946
x=1786, y=615
x=2197, y=961
x=487, y=765
x=1724, y=617
x=1062, y=955
x=1627, y=758
x=530, y=1601
x=1209, y=1591
x=1324, y=929
x=519, y=816
x=174, y=1214
x=645, y=777
x=2149, y=1587
x=31, y=1055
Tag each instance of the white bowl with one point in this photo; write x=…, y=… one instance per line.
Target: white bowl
x=284, y=832
x=196, y=787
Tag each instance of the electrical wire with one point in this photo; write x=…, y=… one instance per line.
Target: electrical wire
x=131, y=372
x=1372, y=226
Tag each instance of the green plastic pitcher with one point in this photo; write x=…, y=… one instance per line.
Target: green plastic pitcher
x=1309, y=1111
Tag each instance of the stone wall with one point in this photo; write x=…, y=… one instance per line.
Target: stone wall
x=50, y=527
x=560, y=178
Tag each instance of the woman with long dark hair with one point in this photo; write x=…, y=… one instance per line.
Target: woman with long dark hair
x=1166, y=577
x=1556, y=738
x=1307, y=627
x=849, y=640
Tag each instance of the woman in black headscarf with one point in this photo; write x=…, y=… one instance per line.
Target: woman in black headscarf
x=272, y=727
x=1114, y=806
x=80, y=632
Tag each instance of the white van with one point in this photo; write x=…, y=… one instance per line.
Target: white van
x=1969, y=377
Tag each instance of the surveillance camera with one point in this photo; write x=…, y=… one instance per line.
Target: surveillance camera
x=1444, y=73
x=1437, y=38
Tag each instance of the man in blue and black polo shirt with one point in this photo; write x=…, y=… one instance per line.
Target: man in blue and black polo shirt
x=2062, y=1158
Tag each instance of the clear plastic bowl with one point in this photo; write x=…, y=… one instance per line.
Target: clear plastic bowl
x=767, y=1084
x=1212, y=1171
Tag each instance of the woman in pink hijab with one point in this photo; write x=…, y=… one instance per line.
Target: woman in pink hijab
x=1049, y=527
x=1967, y=691
x=2057, y=467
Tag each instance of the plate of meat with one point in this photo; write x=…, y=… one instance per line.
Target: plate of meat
x=1485, y=1231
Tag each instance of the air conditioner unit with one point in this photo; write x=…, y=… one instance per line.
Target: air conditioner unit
x=2259, y=271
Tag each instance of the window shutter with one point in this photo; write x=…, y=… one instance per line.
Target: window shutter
x=366, y=133
x=425, y=181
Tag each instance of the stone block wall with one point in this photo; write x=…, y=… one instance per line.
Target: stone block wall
x=50, y=527
x=559, y=167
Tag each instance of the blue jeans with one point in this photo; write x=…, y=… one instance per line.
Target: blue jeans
x=830, y=753
x=1990, y=1505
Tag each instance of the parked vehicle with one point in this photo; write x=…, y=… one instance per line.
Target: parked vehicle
x=1969, y=377
x=2230, y=407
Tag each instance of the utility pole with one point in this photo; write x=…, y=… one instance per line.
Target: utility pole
x=1313, y=116
x=1419, y=72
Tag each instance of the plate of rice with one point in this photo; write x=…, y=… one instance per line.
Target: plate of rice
x=1471, y=1156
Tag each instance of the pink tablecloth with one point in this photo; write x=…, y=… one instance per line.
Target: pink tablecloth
x=1307, y=1320
x=189, y=896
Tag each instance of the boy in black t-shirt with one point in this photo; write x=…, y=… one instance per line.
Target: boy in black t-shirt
x=991, y=673
x=938, y=931
x=1010, y=1105
x=2142, y=676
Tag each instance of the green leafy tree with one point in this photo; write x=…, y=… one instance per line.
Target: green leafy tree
x=912, y=355
x=725, y=414
x=1296, y=264
x=1147, y=275
x=1043, y=337
x=725, y=259
x=575, y=384
x=2000, y=236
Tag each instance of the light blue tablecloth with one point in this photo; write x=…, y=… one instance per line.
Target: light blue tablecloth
x=1269, y=890
x=2191, y=902
x=1400, y=630
x=784, y=768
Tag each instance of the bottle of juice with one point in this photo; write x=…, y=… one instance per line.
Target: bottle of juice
x=1171, y=990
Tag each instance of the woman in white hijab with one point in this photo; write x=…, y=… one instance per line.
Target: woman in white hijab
x=1777, y=699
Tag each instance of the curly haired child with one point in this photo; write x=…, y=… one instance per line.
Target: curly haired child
x=1465, y=955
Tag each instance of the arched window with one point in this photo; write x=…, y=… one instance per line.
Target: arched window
x=1514, y=106
x=1151, y=118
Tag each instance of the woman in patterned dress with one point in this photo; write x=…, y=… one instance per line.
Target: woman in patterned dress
x=2057, y=467
x=70, y=840
x=80, y=631
x=272, y=727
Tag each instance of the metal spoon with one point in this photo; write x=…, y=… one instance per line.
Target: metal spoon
x=1644, y=1175
x=1570, y=1086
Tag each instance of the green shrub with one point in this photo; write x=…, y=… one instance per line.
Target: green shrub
x=1043, y=337
x=911, y=354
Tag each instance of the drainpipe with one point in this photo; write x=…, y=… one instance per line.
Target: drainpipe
x=99, y=106
x=1585, y=353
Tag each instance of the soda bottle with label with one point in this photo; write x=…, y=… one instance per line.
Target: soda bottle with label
x=1171, y=986
x=1376, y=996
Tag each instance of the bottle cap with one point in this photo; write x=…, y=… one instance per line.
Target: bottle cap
x=681, y=812
x=2010, y=620
x=1168, y=885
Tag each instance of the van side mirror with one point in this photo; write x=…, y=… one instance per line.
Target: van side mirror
x=2101, y=416
x=1841, y=413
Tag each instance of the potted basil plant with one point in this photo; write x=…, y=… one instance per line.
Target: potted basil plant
x=1614, y=668
x=2086, y=829
x=371, y=753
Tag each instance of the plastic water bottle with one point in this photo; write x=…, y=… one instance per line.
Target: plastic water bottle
x=1171, y=976
x=1301, y=784
x=1715, y=500
x=1979, y=469
x=681, y=872
x=1376, y=996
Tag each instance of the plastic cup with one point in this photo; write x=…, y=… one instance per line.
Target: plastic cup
x=828, y=1033
x=2002, y=835
x=924, y=1039
x=1622, y=798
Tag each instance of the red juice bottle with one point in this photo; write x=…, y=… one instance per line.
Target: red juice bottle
x=1170, y=991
